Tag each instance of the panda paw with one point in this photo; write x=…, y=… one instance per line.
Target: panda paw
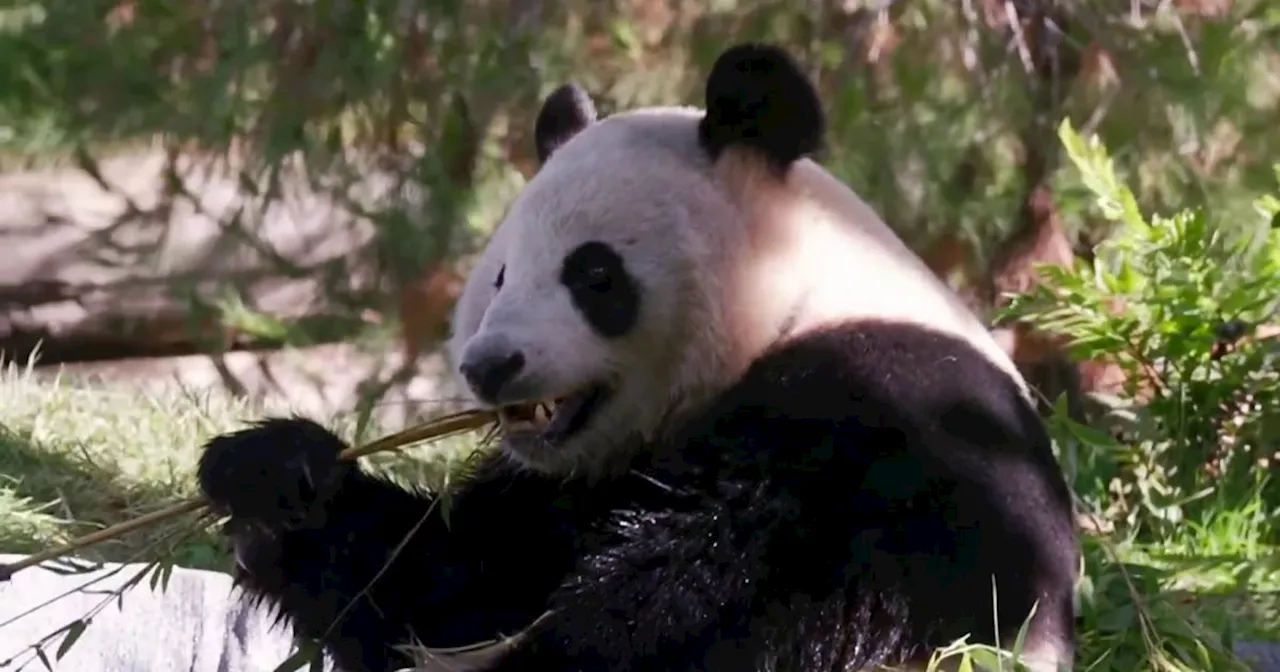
x=273, y=473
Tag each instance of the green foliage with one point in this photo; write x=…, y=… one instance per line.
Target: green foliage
x=1182, y=479
x=1172, y=300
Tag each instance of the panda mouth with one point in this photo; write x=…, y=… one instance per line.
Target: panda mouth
x=554, y=420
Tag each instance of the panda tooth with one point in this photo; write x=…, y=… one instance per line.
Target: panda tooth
x=541, y=414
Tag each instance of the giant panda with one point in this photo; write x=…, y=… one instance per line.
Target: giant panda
x=744, y=428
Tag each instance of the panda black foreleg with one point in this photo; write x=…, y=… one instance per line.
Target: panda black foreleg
x=663, y=588
x=335, y=550
x=749, y=578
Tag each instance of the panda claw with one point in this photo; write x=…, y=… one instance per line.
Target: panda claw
x=306, y=473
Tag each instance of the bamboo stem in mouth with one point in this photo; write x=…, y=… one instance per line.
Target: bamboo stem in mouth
x=433, y=430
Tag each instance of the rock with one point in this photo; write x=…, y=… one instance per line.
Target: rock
x=196, y=622
x=1262, y=656
x=98, y=271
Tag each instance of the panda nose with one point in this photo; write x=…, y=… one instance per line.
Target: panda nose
x=489, y=372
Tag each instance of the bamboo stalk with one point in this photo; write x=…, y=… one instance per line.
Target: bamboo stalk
x=440, y=428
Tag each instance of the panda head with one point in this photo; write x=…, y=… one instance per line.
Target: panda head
x=657, y=252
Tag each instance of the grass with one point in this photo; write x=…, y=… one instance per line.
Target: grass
x=79, y=455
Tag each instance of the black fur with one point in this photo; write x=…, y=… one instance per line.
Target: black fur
x=757, y=96
x=602, y=289
x=564, y=114
x=846, y=504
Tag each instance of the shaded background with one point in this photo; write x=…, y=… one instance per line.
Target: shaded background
x=207, y=176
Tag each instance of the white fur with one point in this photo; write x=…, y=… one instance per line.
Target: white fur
x=726, y=254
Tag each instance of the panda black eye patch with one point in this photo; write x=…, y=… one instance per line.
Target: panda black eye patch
x=602, y=290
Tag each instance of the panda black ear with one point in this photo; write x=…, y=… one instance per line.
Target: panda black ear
x=758, y=97
x=565, y=112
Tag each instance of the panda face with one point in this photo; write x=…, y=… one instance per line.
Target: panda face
x=658, y=252
x=576, y=322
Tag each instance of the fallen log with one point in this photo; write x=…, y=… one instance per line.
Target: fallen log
x=127, y=258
